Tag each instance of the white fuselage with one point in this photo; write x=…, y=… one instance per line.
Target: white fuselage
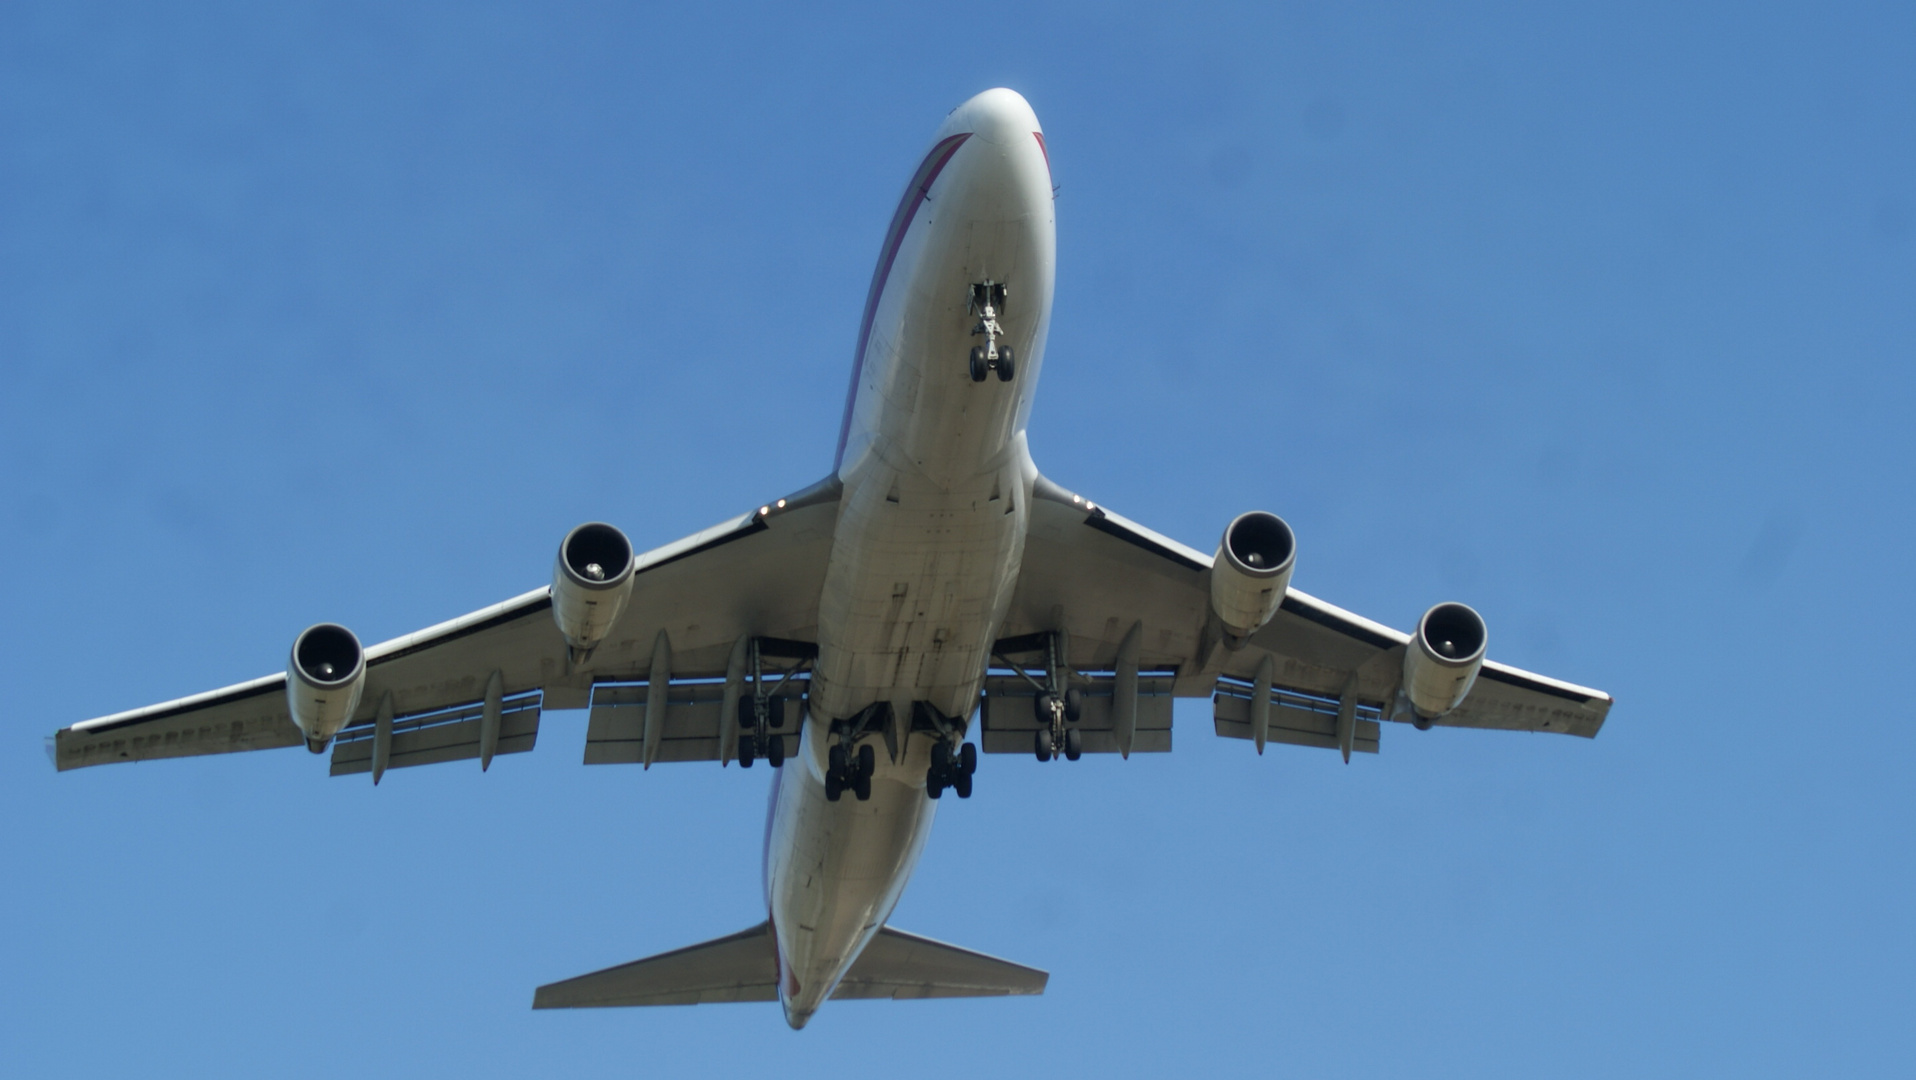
x=930, y=530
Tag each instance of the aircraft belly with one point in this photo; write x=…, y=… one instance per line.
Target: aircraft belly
x=913, y=593
x=931, y=523
x=838, y=868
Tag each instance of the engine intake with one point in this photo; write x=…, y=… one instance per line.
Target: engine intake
x=591, y=581
x=325, y=677
x=1251, y=573
x=1444, y=657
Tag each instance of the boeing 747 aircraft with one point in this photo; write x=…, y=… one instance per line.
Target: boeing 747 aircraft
x=932, y=598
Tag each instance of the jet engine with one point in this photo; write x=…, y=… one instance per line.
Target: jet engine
x=1251, y=572
x=1442, y=662
x=324, y=678
x=591, y=581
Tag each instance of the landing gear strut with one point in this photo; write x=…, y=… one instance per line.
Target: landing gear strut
x=760, y=712
x=1058, y=710
x=987, y=301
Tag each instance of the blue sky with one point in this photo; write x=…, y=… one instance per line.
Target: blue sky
x=1598, y=318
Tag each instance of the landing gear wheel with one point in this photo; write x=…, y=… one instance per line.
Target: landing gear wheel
x=934, y=783
x=833, y=787
x=967, y=764
x=1073, y=743
x=1005, y=366
x=1073, y=704
x=745, y=754
x=862, y=786
x=775, y=750
x=1042, y=744
x=837, y=761
x=867, y=763
x=940, y=756
x=979, y=365
x=962, y=785
x=1041, y=705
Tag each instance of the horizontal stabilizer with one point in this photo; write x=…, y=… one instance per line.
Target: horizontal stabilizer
x=899, y=965
x=744, y=967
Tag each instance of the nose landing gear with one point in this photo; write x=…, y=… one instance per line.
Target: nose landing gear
x=987, y=301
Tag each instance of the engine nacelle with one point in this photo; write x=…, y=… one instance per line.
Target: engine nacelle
x=325, y=676
x=591, y=581
x=1444, y=657
x=1251, y=572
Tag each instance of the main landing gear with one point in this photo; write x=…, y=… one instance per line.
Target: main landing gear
x=752, y=746
x=761, y=712
x=949, y=770
x=987, y=301
x=1058, y=707
x=846, y=771
x=1059, y=737
x=953, y=760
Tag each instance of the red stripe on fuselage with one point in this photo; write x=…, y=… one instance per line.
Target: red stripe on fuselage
x=915, y=193
x=1045, y=150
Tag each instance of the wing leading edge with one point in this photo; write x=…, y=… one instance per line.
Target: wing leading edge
x=1104, y=580
x=758, y=573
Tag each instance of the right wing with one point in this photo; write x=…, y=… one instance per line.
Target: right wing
x=757, y=574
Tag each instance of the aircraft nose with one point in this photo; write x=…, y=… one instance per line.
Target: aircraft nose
x=999, y=116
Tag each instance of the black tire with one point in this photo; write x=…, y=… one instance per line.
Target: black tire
x=833, y=787
x=1041, y=707
x=867, y=761
x=962, y=785
x=837, y=762
x=1073, y=704
x=979, y=365
x=775, y=750
x=940, y=756
x=934, y=784
x=1073, y=743
x=862, y=786
x=1041, y=744
x=745, y=754
x=968, y=760
x=1006, y=367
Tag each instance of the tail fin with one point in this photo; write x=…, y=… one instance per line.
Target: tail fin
x=744, y=967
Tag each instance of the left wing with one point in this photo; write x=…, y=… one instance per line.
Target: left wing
x=757, y=574
x=1102, y=579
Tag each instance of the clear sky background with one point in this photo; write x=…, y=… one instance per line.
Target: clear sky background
x=1599, y=318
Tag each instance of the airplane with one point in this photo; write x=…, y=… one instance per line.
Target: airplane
x=934, y=597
